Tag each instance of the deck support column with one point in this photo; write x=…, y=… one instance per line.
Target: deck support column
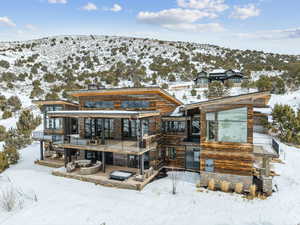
x=42, y=149
x=141, y=157
x=65, y=157
x=69, y=156
x=103, y=131
x=103, y=162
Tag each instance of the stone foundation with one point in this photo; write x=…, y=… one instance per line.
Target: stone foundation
x=218, y=177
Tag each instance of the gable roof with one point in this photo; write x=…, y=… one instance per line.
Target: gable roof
x=126, y=91
x=228, y=100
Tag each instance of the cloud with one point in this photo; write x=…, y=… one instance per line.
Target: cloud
x=5, y=21
x=173, y=16
x=208, y=5
x=292, y=33
x=58, y=1
x=245, y=12
x=209, y=27
x=30, y=27
x=90, y=7
x=116, y=8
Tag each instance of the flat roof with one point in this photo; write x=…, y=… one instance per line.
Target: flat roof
x=227, y=99
x=119, y=91
x=54, y=102
x=103, y=114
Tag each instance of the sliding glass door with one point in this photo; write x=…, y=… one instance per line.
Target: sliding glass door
x=93, y=128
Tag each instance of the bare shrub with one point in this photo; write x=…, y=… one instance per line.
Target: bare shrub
x=8, y=199
x=225, y=186
x=238, y=188
x=211, y=184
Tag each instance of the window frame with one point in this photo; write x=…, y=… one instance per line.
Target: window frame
x=217, y=123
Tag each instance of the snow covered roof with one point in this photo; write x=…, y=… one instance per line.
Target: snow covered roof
x=218, y=71
x=103, y=113
x=228, y=99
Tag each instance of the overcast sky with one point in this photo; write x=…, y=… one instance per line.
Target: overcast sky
x=269, y=25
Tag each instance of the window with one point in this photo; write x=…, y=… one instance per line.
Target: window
x=227, y=126
x=172, y=153
x=145, y=127
x=193, y=158
x=174, y=126
x=129, y=128
x=57, y=138
x=99, y=105
x=209, y=165
x=53, y=123
x=93, y=128
x=211, y=126
x=135, y=104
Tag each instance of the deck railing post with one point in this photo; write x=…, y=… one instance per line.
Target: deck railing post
x=42, y=149
x=103, y=162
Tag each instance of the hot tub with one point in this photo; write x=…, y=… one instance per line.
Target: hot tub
x=120, y=175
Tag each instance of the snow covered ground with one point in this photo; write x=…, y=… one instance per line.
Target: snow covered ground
x=67, y=201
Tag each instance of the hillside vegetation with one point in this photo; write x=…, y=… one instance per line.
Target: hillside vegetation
x=49, y=67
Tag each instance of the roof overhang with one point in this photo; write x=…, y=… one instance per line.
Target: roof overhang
x=54, y=102
x=126, y=91
x=232, y=100
x=108, y=114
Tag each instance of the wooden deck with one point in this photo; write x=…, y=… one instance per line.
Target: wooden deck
x=115, y=146
x=102, y=178
x=53, y=163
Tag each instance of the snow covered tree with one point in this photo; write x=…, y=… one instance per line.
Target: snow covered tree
x=216, y=89
x=287, y=123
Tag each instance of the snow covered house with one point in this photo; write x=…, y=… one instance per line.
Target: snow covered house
x=204, y=78
x=132, y=134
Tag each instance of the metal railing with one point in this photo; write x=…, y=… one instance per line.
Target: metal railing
x=39, y=135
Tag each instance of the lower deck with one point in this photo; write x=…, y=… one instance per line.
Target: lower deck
x=103, y=178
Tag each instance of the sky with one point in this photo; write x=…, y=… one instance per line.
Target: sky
x=268, y=25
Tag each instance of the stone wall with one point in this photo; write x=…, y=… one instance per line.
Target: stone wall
x=218, y=177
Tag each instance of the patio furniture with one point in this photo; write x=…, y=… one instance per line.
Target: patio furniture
x=91, y=169
x=83, y=163
x=70, y=167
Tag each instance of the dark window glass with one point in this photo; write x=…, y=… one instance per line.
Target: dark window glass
x=174, y=126
x=172, y=153
x=99, y=105
x=135, y=104
x=129, y=128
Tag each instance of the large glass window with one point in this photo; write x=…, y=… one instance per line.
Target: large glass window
x=53, y=123
x=174, y=126
x=99, y=104
x=135, y=104
x=227, y=125
x=93, y=128
x=129, y=128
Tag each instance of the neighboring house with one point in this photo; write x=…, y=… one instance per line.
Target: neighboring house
x=204, y=78
x=146, y=129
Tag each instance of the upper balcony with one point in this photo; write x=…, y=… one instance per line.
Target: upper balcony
x=131, y=147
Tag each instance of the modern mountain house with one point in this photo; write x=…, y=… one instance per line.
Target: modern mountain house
x=204, y=77
x=125, y=137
